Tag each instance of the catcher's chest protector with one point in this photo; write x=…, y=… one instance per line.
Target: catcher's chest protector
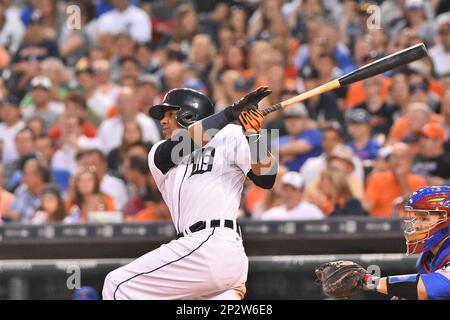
x=425, y=265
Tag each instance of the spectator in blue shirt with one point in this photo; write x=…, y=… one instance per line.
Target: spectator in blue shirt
x=361, y=141
x=35, y=177
x=301, y=142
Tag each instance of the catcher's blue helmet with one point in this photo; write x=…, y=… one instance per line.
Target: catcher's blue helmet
x=428, y=209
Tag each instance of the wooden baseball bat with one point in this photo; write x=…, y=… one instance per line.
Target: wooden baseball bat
x=381, y=65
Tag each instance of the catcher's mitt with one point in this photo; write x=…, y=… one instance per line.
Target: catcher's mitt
x=340, y=279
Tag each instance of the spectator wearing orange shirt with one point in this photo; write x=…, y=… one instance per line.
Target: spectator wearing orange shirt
x=356, y=93
x=386, y=186
x=418, y=115
x=85, y=196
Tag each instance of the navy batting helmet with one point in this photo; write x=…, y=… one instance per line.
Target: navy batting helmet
x=192, y=106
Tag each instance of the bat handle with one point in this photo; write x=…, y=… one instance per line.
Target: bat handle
x=272, y=108
x=301, y=97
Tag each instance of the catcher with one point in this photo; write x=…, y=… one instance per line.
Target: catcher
x=427, y=232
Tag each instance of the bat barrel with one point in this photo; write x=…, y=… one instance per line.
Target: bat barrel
x=387, y=63
x=379, y=66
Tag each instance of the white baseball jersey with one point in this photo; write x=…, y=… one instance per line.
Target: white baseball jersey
x=207, y=264
x=207, y=184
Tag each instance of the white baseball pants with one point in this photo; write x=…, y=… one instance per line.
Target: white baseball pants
x=208, y=264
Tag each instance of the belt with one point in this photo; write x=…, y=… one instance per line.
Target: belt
x=201, y=225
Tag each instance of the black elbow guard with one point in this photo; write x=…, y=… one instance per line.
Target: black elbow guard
x=265, y=182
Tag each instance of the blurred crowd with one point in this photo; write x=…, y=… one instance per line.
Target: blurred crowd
x=76, y=86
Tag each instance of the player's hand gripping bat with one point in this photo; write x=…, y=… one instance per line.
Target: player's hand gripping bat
x=389, y=62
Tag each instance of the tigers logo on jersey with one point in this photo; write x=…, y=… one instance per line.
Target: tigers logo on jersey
x=202, y=160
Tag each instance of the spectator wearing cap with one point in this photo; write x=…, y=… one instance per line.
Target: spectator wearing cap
x=417, y=115
x=55, y=70
x=148, y=92
x=293, y=207
x=10, y=125
x=361, y=141
x=43, y=106
x=322, y=108
x=301, y=142
x=384, y=187
x=126, y=17
x=381, y=113
x=111, y=130
x=432, y=162
x=440, y=53
x=35, y=177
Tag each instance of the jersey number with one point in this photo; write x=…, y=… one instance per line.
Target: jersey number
x=202, y=160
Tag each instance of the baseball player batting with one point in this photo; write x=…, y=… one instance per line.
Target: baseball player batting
x=200, y=169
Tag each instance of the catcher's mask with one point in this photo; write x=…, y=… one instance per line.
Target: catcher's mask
x=427, y=211
x=192, y=106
